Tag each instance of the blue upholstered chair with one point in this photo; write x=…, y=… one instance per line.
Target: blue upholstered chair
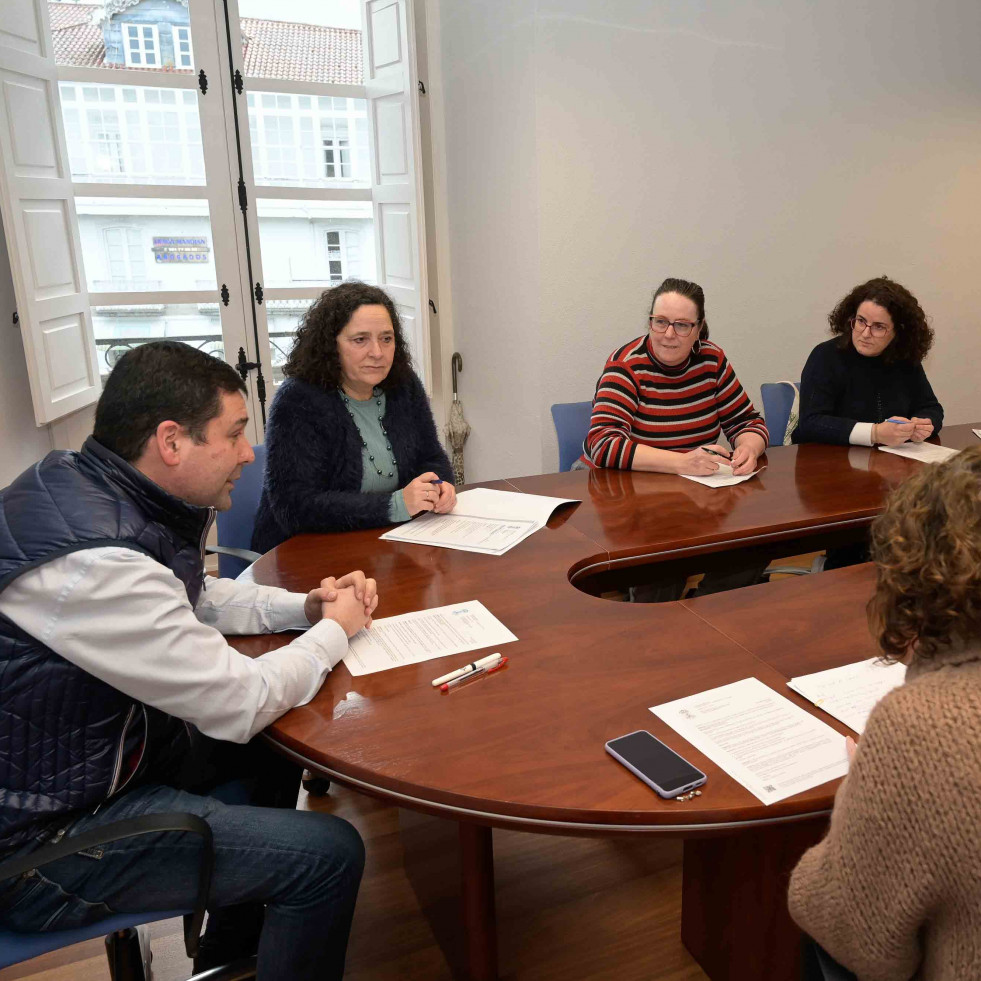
x=235, y=525
x=571, y=425
x=778, y=400
x=129, y=957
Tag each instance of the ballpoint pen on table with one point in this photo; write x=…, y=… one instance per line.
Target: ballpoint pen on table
x=467, y=669
x=489, y=669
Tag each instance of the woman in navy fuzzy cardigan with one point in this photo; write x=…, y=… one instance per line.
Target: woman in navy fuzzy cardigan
x=350, y=441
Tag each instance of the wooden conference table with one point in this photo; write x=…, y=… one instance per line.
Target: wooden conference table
x=524, y=748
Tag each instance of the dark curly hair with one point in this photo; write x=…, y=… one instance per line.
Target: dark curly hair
x=914, y=336
x=927, y=550
x=693, y=292
x=314, y=357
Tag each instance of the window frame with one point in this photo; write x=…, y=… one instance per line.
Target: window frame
x=178, y=41
x=125, y=26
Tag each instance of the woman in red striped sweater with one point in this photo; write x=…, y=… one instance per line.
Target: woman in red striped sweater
x=663, y=401
x=666, y=397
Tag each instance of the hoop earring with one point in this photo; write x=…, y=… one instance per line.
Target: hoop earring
x=696, y=348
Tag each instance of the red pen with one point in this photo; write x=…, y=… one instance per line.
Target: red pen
x=474, y=674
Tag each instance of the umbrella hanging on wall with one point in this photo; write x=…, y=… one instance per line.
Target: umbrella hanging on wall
x=457, y=429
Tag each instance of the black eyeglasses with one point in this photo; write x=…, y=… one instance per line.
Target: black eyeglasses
x=681, y=327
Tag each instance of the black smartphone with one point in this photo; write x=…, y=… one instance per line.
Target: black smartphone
x=659, y=766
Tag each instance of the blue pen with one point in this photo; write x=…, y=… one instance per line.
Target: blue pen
x=895, y=419
x=435, y=481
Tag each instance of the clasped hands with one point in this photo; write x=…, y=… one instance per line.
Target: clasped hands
x=898, y=429
x=348, y=601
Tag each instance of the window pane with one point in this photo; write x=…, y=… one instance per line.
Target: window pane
x=119, y=329
x=302, y=142
x=122, y=35
x=146, y=244
x=322, y=43
x=300, y=240
x=284, y=317
x=139, y=146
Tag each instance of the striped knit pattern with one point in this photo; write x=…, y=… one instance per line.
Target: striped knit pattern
x=639, y=400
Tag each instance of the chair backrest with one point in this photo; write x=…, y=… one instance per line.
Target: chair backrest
x=571, y=425
x=778, y=402
x=235, y=525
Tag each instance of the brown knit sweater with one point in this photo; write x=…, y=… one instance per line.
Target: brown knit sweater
x=894, y=890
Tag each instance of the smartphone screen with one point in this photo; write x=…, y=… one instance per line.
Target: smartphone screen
x=659, y=764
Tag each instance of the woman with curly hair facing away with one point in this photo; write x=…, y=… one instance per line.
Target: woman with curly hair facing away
x=350, y=441
x=894, y=890
x=867, y=385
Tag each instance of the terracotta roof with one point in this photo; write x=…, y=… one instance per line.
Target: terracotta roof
x=304, y=52
x=271, y=48
x=75, y=38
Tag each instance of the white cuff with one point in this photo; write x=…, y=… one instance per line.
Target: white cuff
x=290, y=614
x=861, y=434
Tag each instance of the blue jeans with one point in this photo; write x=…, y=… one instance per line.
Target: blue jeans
x=303, y=866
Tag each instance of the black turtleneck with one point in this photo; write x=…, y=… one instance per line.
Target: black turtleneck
x=840, y=387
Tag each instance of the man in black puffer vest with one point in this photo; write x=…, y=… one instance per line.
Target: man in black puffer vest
x=119, y=696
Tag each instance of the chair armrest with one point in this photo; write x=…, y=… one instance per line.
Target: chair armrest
x=238, y=553
x=131, y=828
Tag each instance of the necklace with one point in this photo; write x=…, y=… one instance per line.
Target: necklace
x=364, y=444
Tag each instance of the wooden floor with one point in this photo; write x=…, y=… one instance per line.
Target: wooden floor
x=569, y=909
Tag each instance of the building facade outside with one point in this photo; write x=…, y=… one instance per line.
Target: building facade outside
x=151, y=135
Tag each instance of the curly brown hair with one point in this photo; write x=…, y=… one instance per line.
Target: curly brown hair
x=927, y=550
x=914, y=336
x=314, y=358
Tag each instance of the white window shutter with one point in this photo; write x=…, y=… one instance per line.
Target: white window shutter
x=39, y=219
x=396, y=178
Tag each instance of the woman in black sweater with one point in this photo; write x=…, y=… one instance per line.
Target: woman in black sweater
x=866, y=385
x=351, y=441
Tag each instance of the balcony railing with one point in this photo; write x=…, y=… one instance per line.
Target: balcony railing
x=126, y=285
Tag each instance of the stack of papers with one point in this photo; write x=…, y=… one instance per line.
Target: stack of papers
x=762, y=740
x=488, y=521
x=977, y=432
x=849, y=693
x=421, y=636
x=924, y=452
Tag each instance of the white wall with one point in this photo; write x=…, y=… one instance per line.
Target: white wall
x=21, y=442
x=776, y=151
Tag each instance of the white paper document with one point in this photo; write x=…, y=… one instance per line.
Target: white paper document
x=925, y=452
x=723, y=477
x=850, y=692
x=762, y=740
x=488, y=521
x=424, y=635
x=977, y=432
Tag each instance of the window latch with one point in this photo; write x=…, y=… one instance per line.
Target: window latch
x=258, y=293
x=203, y=82
x=244, y=366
